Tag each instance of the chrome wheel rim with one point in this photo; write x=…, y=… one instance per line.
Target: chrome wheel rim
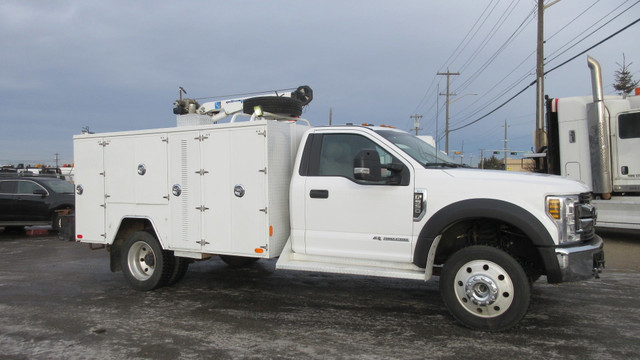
x=141, y=260
x=484, y=288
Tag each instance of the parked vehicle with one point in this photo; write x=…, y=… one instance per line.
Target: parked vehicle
x=34, y=200
x=348, y=199
x=596, y=139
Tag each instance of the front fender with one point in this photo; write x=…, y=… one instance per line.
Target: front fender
x=477, y=209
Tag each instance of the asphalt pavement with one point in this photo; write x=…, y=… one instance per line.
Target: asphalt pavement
x=59, y=300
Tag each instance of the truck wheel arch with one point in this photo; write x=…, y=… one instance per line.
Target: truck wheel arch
x=127, y=226
x=490, y=209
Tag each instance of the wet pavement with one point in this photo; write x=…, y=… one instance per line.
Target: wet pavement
x=59, y=300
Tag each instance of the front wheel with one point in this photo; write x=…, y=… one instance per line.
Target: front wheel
x=485, y=288
x=144, y=264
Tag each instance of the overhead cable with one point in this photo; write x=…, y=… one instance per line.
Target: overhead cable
x=545, y=73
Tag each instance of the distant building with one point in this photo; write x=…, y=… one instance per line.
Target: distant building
x=520, y=165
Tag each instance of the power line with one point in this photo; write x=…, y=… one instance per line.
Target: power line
x=591, y=33
x=522, y=78
x=574, y=19
x=597, y=44
x=495, y=55
x=547, y=72
x=429, y=92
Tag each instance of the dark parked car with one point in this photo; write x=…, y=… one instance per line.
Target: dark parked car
x=33, y=200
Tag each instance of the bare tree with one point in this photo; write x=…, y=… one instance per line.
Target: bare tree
x=624, y=84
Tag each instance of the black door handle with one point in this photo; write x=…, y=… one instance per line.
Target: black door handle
x=319, y=194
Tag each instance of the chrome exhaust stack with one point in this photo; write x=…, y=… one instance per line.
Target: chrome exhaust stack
x=599, y=145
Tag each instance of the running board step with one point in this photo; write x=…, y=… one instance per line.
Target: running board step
x=292, y=261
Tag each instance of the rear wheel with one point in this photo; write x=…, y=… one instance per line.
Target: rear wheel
x=56, y=222
x=144, y=264
x=180, y=267
x=485, y=288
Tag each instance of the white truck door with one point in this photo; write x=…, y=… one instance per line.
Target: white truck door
x=627, y=146
x=346, y=217
x=234, y=191
x=136, y=170
x=89, y=180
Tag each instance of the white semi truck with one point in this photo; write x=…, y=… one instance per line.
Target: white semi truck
x=363, y=200
x=596, y=139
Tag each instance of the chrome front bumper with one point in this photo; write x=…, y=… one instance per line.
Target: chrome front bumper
x=580, y=262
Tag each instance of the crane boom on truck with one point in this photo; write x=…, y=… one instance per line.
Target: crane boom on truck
x=360, y=200
x=596, y=139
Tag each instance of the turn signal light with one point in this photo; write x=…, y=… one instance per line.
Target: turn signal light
x=258, y=250
x=554, y=208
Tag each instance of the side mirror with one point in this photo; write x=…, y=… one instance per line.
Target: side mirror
x=395, y=170
x=40, y=192
x=366, y=165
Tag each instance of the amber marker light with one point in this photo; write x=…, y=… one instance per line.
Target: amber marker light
x=554, y=208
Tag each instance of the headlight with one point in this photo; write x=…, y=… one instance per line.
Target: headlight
x=562, y=210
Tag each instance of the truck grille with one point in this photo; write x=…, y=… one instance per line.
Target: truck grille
x=585, y=198
x=586, y=215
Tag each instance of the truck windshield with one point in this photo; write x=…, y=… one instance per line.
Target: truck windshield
x=418, y=149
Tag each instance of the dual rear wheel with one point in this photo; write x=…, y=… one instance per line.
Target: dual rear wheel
x=146, y=266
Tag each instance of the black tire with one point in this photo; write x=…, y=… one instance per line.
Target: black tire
x=485, y=288
x=144, y=264
x=180, y=267
x=238, y=261
x=56, y=222
x=273, y=104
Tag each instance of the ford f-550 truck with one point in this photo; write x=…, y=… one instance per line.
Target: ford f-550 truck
x=362, y=200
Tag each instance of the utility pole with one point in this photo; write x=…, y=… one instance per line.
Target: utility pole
x=540, y=79
x=330, y=116
x=540, y=138
x=416, y=122
x=448, y=94
x=57, y=159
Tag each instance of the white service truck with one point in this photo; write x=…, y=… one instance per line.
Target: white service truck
x=596, y=139
x=362, y=200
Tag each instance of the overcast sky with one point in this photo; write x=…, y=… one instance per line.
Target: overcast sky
x=117, y=65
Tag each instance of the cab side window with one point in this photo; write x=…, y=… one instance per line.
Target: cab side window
x=629, y=125
x=336, y=152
